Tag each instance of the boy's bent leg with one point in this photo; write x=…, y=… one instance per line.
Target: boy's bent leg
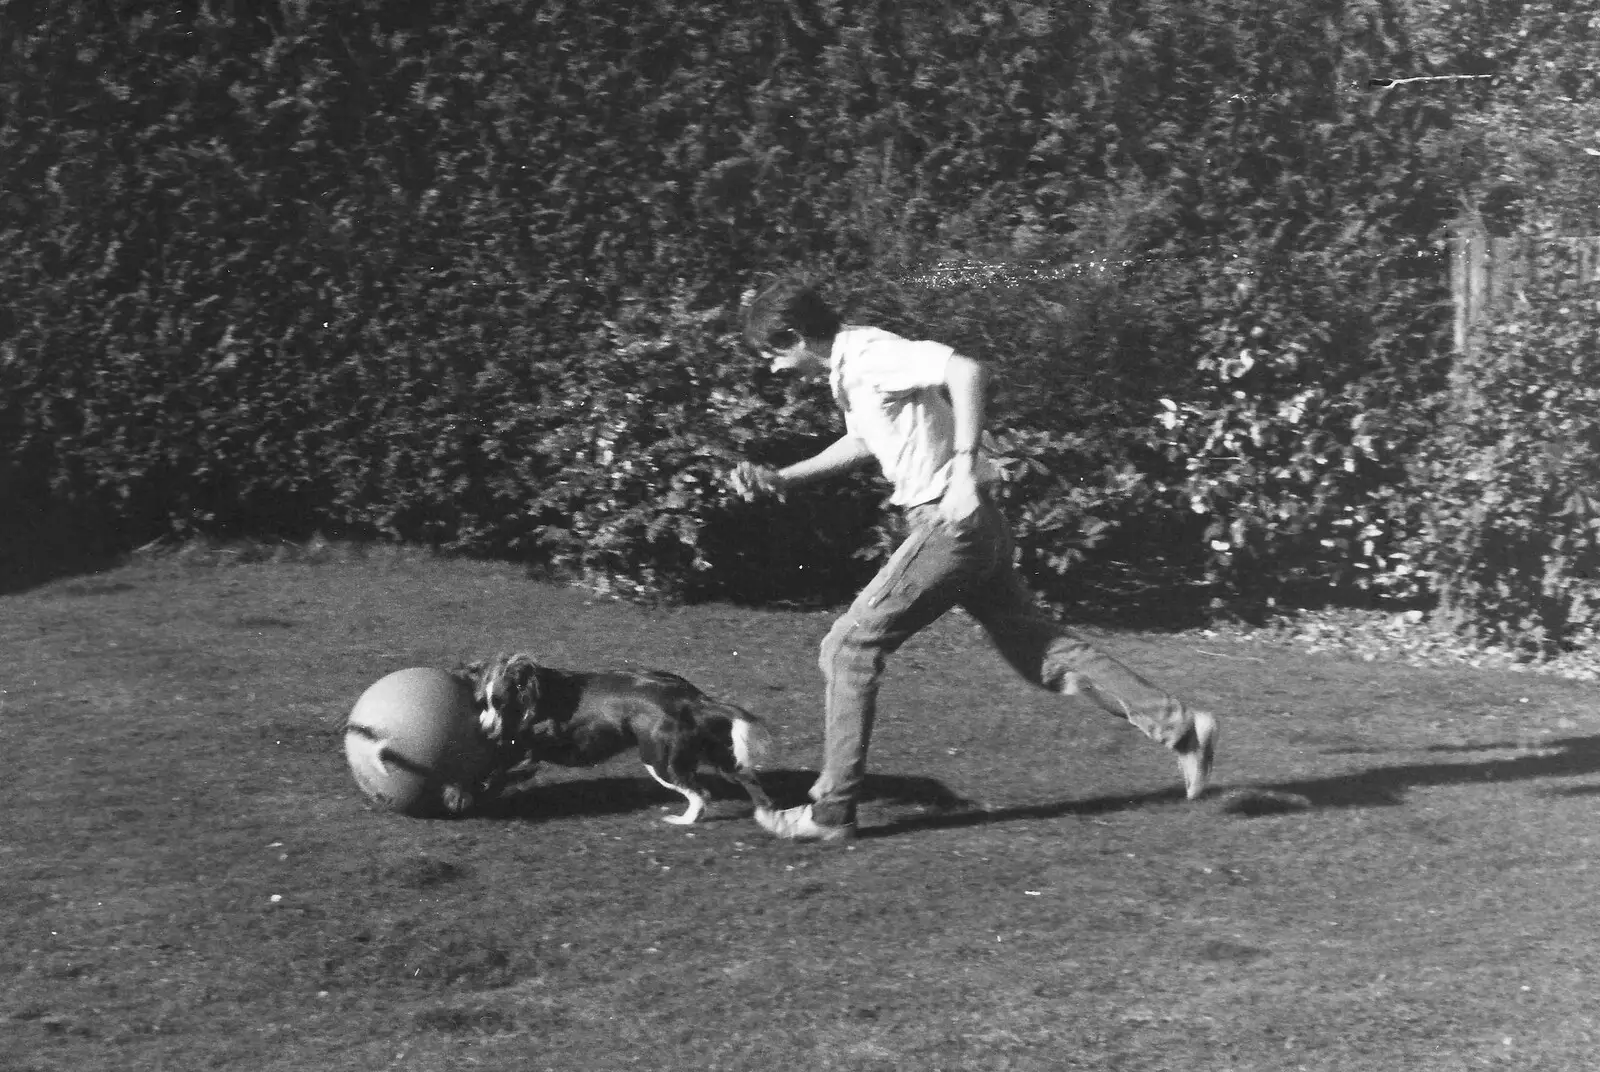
x=1053, y=657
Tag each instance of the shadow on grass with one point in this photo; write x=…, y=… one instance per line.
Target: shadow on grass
x=969, y=816
x=1388, y=786
x=1576, y=791
x=616, y=795
x=940, y=808
x=43, y=541
x=1379, y=787
x=23, y=568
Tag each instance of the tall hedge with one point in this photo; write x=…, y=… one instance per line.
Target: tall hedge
x=469, y=274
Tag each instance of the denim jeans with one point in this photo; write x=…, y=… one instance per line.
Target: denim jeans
x=943, y=565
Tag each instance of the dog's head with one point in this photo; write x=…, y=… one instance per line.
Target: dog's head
x=506, y=689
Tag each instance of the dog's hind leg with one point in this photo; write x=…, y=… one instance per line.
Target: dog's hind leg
x=753, y=787
x=749, y=743
x=671, y=757
x=697, y=800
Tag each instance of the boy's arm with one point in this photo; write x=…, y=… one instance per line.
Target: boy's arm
x=842, y=455
x=968, y=383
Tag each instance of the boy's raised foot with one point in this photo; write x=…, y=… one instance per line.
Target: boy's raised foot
x=1197, y=753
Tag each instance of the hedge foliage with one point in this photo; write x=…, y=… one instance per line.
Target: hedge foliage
x=1510, y=515
x=469, y=274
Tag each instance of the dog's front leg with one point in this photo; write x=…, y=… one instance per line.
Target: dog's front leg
x=463, y=799
x=457, y=799
x=518, y=776
x=494, y=784
x=550, y=747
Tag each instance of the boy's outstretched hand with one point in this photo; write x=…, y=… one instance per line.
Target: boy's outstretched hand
x=750, y=481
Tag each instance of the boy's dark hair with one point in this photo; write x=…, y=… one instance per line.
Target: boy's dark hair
x=787, y=308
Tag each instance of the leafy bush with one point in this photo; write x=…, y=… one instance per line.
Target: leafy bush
x=1293, y=447
x=1509, y=531
x=464, y=274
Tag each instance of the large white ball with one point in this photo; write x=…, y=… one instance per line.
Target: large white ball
x=413, y=736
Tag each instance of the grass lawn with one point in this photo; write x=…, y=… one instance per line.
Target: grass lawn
x=1394, y=872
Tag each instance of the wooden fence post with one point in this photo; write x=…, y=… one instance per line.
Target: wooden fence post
x=1468, y=285
x=1488, y=276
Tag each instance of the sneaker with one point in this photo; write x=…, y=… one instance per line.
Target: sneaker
x=1197, y=754
x=797, y=824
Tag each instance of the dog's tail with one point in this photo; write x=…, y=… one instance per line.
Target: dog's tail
x=748, y=736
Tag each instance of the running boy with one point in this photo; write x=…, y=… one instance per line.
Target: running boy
x=918, y=408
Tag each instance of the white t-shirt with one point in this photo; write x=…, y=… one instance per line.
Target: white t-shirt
x=893, y=394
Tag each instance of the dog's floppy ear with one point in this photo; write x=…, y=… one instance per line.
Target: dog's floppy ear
x=525, y=676
x=474, y=674
x=471, y=673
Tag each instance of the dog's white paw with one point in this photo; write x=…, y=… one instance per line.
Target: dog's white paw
x=681, y=820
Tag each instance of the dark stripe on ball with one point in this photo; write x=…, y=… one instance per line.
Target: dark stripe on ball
x=395, y=759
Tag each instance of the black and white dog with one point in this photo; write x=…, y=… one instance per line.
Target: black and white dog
x=538, y=714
